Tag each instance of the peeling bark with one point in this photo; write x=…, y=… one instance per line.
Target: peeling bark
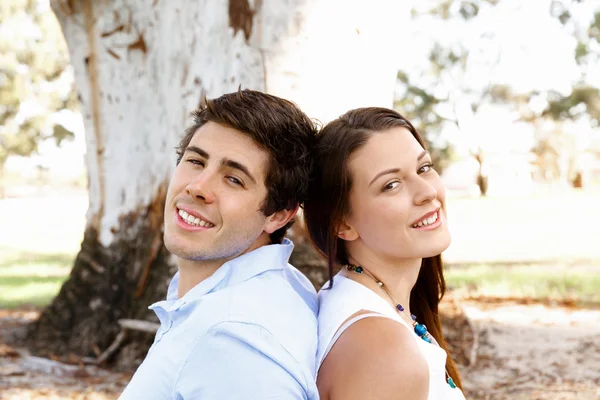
x=139, y=71
x=241, y=17
x=91, y=62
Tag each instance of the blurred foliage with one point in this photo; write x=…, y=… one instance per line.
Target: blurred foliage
x=584, y=98
x=559, y=154
x=419, y=106
x=432, y=95
x=35, y=77
x=447, y=9
x=440, y=93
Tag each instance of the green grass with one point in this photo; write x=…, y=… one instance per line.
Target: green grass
x=30, y=278
x=527, y=247
x=538, y=282
x=34, y=279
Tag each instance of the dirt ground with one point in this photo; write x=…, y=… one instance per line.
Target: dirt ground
x=23, y=377
x=505, y=350
x=531, y=351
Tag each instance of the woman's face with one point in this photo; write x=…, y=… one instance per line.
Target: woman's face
x=397, y=201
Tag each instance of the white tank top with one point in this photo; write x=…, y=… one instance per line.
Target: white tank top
x=348, y=297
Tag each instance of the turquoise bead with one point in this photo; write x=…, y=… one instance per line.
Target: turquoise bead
x=359, y=270
x=426, y=338
x=451, y=383
x=420, y=329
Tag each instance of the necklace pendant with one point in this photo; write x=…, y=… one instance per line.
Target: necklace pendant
x=451, y=383
x=420, y=330
x=357, y=269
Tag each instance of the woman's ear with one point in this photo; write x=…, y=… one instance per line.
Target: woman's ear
x=347, y=232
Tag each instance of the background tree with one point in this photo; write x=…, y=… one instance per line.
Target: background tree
x=440, y=94
x=36, y=80
x=445, y=94
x=582, y=104
x=140, y=68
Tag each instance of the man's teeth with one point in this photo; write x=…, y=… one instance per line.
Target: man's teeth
x=426, y=221
x=190, y=219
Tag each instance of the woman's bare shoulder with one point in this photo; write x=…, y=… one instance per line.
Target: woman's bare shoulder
x=375, y=358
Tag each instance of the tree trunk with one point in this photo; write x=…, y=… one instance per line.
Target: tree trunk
x=482, y=179
x=140, y=68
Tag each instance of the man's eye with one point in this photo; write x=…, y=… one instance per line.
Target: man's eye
x=195, y=161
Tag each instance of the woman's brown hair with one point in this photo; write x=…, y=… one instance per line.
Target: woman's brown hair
x=328, y=203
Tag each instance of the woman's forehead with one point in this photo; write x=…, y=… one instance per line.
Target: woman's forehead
x=394, y=148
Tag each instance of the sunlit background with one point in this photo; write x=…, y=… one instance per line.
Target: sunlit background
x=506, y=93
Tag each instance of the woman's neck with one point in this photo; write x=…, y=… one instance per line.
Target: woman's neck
x=398, y=277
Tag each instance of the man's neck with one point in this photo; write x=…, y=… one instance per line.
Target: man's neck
x=191, y=273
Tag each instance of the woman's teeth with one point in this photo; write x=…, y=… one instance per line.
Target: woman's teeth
x=426, y=221
x=190, y=219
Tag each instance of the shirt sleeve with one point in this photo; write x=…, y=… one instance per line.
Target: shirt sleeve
x=239, y=361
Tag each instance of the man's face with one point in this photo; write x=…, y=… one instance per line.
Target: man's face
x=212, y=211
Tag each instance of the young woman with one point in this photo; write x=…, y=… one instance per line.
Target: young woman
x=376, y=210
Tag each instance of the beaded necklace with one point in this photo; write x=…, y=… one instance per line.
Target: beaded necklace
x=420, y=329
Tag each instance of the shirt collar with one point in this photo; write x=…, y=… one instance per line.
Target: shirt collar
x=265, y=258
x=240, y=269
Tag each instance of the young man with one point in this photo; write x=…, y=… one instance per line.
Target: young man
x=239, y=322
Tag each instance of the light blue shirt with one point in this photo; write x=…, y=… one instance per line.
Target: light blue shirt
x=247, y=332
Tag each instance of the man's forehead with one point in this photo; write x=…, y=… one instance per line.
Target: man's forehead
x=221, y=142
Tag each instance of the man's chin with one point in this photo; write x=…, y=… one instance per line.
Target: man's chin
x=177, y=247
x=189, y=254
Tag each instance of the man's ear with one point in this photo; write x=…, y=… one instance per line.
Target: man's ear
x=347, y=232
x=279, y=219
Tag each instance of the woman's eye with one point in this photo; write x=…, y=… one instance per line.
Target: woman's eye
x=391, y=186
x=426, y=168
x=235, y=180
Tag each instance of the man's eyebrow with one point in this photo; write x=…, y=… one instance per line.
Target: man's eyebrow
x=198, y=150
x=224, y=162
x=236, y=165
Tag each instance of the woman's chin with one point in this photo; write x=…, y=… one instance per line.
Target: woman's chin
x=437, y=249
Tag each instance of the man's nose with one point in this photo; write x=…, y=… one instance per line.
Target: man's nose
x=202, y=187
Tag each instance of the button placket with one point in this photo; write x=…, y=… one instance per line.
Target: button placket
x=164, y=329
x=165, y=323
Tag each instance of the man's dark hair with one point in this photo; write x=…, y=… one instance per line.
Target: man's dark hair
x=279, y=127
